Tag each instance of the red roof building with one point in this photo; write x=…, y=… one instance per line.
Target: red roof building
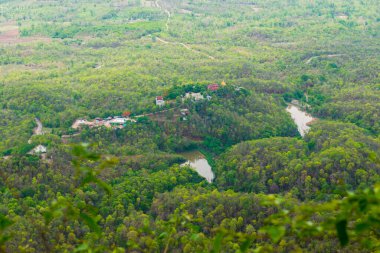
x=126, y=114
x=160, y=101
x=213, y=87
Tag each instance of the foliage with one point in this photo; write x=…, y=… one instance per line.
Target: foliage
x=64, y=60
x=332, y=158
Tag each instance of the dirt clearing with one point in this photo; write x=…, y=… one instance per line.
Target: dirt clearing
x=10, y=34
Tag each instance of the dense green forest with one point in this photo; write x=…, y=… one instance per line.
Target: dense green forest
x=126, y=188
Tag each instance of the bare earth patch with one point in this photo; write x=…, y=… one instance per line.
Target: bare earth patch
x=184, y=11
x=255, y=8
x=10, y=34
x=342, y=16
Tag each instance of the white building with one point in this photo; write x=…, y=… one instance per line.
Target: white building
x=117, y=121
x=194, y=96
x=40, y=149
x=160, y=101
x=81, y=122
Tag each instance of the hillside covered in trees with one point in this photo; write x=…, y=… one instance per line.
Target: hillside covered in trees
x=101, y=103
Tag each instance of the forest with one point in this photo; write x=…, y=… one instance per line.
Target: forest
x=228, y=72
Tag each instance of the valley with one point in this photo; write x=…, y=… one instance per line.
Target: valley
x=189, y=126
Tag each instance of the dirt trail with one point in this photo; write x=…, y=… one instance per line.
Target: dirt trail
x=177, y=43
x=167, y=13
x=310, y=59
x=154, y=113
x=306, y=97
x=38, y=129
x=318, y=56
x=186, y=46
x=168, y=20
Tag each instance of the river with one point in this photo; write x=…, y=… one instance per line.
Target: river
x=301, y=118
x=198, y=161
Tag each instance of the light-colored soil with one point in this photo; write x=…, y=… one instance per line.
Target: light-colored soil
x=255, y=8
x=148, y=3
x=176, y=43
x=167, y=13
x=9, y=34
x=342, y=16
x=38, y=129
x=186, y=47
x=184, y=11
x=318, y=56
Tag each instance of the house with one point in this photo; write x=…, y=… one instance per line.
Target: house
x=213, y=87
x=81, y=122
x=40, y=149
x=117, y=121
x=99, y=121
x=185, y=112
x=160, y=101
x=194, y=96
x=126, y=114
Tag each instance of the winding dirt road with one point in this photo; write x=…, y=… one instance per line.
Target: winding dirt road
x=167, y=13
x=185, y=46
x=177, y=43
x=38, y=129
x=318, y=56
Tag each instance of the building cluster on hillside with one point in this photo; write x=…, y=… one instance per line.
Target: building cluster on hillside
x=197, y=96
x=193, y=96
x=110, y=122
x=121, y=121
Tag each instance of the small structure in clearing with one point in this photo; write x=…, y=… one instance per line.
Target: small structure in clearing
x=194, y=96
x=116, y=122
x=343, y=16
x=40, y=149
x=213, y=87
x=185, y=112
x=239, y=88
x=160, y=101
x=82, y=122
x=126, y=114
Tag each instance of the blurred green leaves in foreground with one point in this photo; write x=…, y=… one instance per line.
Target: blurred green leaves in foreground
x=353, y=219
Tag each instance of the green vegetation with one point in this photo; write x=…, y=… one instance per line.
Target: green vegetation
x=333, y=158
x=123, y=190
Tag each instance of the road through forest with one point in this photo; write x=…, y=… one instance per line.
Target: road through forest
x=177, y=43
